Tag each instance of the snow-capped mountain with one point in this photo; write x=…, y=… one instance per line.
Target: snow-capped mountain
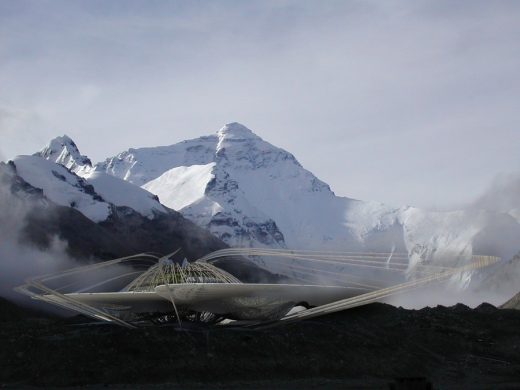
x=248, y=192
x=62, y=150
x=251, y=193
x=62, y=186
x=93, y=195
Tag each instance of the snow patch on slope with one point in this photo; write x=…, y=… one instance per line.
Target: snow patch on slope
x=140, y=166
x=62, y=187
x=63, y=152
x=202, y=211
x=122, y=193
x=181, y=186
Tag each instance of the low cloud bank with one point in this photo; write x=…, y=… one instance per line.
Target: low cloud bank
x=498, y=210
x=503, y=195
x=19, y=259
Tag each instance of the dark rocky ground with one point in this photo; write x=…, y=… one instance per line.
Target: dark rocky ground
x=368, y=347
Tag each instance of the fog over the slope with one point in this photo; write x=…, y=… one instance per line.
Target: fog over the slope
x=503, y=195
x=406, y=102
x=19, y=259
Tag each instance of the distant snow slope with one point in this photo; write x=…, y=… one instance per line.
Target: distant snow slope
x=62, y=186
x=251, y=193
x=181, y=186
x=139, y=166
x=68, y=179
x=122, y=193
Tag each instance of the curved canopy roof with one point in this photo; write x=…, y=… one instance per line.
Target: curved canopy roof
x=166, y=272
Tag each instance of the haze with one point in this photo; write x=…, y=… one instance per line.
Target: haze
x=405, y=102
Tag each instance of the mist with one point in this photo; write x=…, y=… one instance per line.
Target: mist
x=18, y=258
x=502, y=195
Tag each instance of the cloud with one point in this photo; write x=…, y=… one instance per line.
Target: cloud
x=403, y=102
x=18, y=258
x=502, y=195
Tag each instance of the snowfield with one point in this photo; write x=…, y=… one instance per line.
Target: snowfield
x=181, y=186
x=122, y=193
x=62, y=186
x=93, y=193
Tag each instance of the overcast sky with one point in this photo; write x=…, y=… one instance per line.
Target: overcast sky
x=406, y=102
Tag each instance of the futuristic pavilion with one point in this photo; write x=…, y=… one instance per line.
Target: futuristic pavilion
x=149, y=289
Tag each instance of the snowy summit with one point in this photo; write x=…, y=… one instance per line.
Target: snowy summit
x=62, y=150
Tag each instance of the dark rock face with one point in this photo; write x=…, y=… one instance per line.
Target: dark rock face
x=234, y=227
x=246, y=231
x=163, y=234
x=266, y=232
x=366, y=347
x=85, y=238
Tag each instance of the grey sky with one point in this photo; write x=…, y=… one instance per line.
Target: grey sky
x=406, y=102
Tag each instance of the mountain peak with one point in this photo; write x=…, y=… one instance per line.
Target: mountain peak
x=237, y=131
x=63, y=150
x=56, y=144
